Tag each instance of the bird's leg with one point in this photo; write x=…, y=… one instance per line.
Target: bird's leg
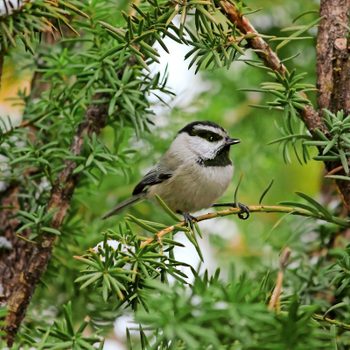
x=189, y=219
x=243, y=214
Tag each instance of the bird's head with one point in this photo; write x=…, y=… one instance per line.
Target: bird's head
x=207, y=141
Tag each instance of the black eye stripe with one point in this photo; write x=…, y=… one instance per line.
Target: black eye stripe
x=207, y=135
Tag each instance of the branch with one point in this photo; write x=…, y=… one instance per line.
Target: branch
x=333, y=65
x=38, y=256
x=331, y=321
x=256, y=42
x=309, y=116
x=333, y=73
x=253, y=209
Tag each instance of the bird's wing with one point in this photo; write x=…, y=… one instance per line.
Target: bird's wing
x=156, y=176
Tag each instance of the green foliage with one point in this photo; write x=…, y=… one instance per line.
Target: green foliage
x=112, y=64
x=214, y=45
x=226, y=316
x=37, y=222
x=296, y=33
x=100, y=160
x=317, y=210
x=27, y=21
x=120, y=273
x=289, y=91
x=64, y=335
x=2, y=323
x=126, y=271
x=341, y=271
x=335, y=146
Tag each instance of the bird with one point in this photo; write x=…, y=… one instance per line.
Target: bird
x=192, y=174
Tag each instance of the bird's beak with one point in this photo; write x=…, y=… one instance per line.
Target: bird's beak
x=230, y=141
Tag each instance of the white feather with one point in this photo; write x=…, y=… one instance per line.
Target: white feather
x=193, y=187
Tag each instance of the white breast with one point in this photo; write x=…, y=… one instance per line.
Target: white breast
x=193, y=187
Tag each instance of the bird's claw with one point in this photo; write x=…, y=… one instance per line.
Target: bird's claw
x=189, y=220
x=244, y=210
x=244, y=213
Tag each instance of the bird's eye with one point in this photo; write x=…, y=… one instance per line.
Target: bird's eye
x=207, y=135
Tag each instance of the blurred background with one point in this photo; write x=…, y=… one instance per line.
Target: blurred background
x=216, y=96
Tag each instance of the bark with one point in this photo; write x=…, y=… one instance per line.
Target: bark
x=26, y=262
x=333, y=68
x=333, y=59
x=11, y=250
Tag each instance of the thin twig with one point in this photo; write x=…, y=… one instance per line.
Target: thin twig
x=252, y=209
x=332, y=321
x=335, y=170
x=274, y=303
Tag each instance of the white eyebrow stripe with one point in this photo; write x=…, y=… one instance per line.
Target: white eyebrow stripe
x=210, y=128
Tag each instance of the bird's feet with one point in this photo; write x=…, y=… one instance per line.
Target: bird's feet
x=189, y=219
x=243, y=214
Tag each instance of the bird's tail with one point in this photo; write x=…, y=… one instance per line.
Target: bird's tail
x=124, y=204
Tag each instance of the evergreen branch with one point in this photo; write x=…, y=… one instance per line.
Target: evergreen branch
x=61, y=194
x=253, y=209
x=31, y=261
x=334, y=170
x=255, y=41
x=332, y=321
x=26, y=19
x=11, y=265
x=330, y=69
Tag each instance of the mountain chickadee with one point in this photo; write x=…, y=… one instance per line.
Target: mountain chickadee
x=192, y=174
